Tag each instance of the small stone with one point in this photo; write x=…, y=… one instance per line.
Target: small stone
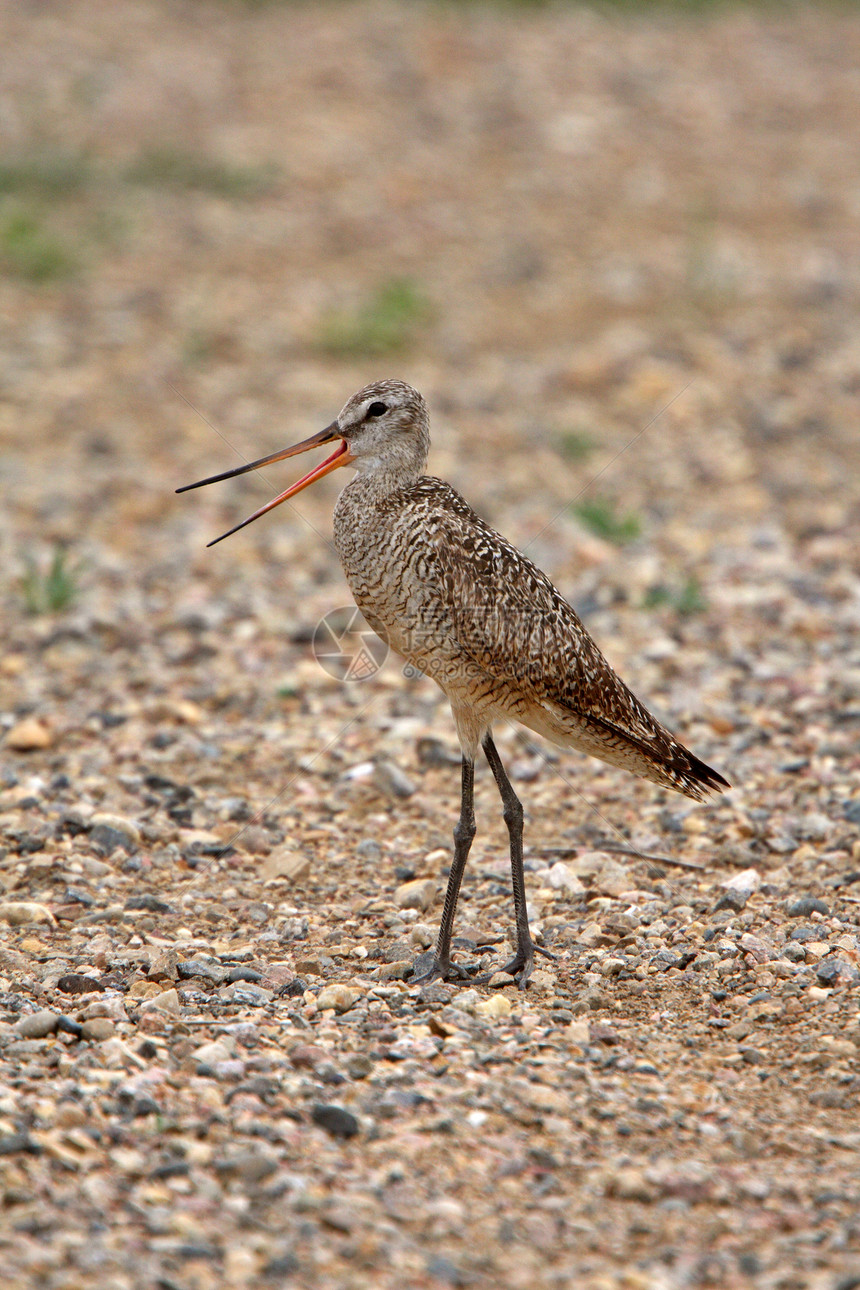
x=630, y=1183
x=808, y=905
x=165, y=1001
x=612, y=879
x=418, y=894
x=579, y=1032
x=757, y=949
x=497, y=1005
x=397, y=971
x=392, y=780
x=79, y=983
x=150, y=904
x=735, y=900
x=339, y=997
x=752, y=1056
x=499, y=980
x=745, y=882
x=218, y=1050
x=833, y=970
x=29, y=735
x=307, y=1056
x=205, y=968
x=443, y=1269
x=562, y=878
x=252, y=1166
x=290, y=865
x=360, y=1066
x=13, y=1143
x=108, y=832
x=245, y=992
x=369, y=849
x=98, y=1029
x=38, y=1024
x=592, y=935
x=335, y=1120
x=18, y=913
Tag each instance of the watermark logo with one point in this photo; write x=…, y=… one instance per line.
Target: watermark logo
x=345, y=647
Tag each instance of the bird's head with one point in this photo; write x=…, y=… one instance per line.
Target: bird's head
x=384, y=427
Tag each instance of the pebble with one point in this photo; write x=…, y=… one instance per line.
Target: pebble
x=38, y=1024
x=29, y=735
x=612, y=878
x=337, y=1121
x=808, y=905
x=392, y=780
x=98, y=1029
x=108, y=832
x=252, y=1166
x=164, y=1001
x=339, y=997
x=399, y=970
x=562, y=878
x=630, y=1183
x=18, y=913
x=246, y=992
x=498, y=1005
x=291, y=865
x=79, y=983
x=203, y=968
x=217, y=1050
x=591, y=935
x=420, y=894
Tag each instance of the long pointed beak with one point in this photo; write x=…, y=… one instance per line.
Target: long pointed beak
x=340, y=457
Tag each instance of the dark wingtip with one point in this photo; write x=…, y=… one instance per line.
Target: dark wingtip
x=700, y=775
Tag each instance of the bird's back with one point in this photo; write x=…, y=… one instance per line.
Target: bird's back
x=466, y=607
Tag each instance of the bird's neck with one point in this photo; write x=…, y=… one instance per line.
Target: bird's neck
x=376, y=478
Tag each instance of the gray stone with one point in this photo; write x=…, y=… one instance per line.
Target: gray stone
x=335, y=1120
x=808, y=905
x=38, y=1024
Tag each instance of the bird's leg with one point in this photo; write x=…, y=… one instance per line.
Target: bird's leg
x=522, y=963
x=464, y=832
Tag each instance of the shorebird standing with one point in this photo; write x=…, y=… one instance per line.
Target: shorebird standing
x=467, y=608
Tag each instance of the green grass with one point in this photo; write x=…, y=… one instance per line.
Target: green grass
x=385, y=323
x=576, y=445
x=31, y=251
x=599, y=517
x=686, y=600
x=49, y=590
x=45, y=174
x=178, y=168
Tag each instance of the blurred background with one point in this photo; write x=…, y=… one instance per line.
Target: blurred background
x=617, y=248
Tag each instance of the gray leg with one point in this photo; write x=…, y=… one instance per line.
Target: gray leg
x=464, y=832
x=522, y=963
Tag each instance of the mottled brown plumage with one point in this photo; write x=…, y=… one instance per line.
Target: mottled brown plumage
x=467, y=608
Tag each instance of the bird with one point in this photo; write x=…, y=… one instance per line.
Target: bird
x=464, y=606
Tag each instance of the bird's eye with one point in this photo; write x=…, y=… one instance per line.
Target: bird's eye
x=376, y=410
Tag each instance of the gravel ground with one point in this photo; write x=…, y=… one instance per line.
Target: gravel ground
x=616, y=254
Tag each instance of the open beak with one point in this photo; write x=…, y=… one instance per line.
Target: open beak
x=340, y=457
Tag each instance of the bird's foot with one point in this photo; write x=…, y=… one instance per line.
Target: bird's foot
x=521, y=965
x=440, y=969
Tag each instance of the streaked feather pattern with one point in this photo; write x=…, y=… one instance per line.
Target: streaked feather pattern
x=465, y=606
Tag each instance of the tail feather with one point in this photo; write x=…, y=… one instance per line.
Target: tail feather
x=691, y=776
